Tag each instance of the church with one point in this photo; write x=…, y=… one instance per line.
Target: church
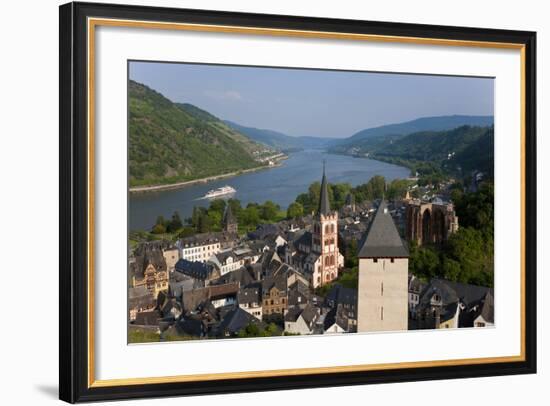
x=315, y=253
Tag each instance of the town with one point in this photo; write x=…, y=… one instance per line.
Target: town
x=292, y=277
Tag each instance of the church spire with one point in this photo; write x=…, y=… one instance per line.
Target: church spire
x=324, y=203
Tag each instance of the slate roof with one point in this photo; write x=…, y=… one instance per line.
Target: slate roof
x=249, y=294
x=453, y=291
x=383, y=240
x=192, y=326
x=224, y=256
x=148, y=254
x=205, y=239
x=191, y=299
x=298, y=294
x=304, y=239
x=279, y=282
x=341, y=295
x=140, y=297
x=194, y=269
x=488, y=308
x=235, y=320
x=241, y=276
x=263, y=231
x=484, y=307
x=176, y=288
x=335, y=316
x=309, y=314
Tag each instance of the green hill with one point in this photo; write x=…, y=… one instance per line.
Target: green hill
x=172, y=142
x=459, y=151
x=361, y=141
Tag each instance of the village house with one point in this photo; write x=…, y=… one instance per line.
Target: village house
x=203, y=272
x=346, y=298
x=250, y=300
x=446, y=304
x=140, y=299
x=200, y=247
x=154, y=279
x=301, y=320
x=415, y=288
x=335, y=321
x=274, y=295
x=171, y=256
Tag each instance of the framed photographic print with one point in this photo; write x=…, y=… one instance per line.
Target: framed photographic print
x=257, y=202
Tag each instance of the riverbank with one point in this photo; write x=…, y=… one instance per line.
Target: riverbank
x=178, y=185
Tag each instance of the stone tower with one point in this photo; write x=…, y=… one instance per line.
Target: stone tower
x=383, y=277
x=230, y=224
x=325, y=237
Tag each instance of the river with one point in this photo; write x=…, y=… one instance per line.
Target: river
x=280, y=184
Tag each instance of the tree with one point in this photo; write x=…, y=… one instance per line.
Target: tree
x=338, y=192
x=373, y=189
x=204, y=224
x=269, y=210
x=250, y=216
x=294, y=210
x=350, y=256
x=217, y=205
x=310, y=200
x=159, y=229
x=195, y=217
x=397, y=189
x=160, y=220
x=424, y=261
x=215, y=220
x=451, y=269
x=186, y=232
x=175, y=224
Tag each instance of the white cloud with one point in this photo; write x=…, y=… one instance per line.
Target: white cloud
x=231, y=95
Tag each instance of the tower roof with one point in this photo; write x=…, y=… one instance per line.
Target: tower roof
x=383, y=239
x=228, y=217
x=324, y=203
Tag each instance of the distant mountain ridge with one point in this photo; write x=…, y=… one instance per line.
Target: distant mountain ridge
x=174, y=142
x=458, y=151
x=281, y=141
x=360, y=139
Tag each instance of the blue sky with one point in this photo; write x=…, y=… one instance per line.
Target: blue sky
x=313, y=102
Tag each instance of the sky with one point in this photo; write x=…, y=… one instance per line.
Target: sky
x=321, y=103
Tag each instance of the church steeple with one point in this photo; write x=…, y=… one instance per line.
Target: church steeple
x=230, y=223
x=325, y=240
x=324, y=203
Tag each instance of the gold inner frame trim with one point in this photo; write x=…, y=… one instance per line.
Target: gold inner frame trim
x=94, y=22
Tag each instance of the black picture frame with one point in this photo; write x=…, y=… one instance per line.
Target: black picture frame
x=73, y=283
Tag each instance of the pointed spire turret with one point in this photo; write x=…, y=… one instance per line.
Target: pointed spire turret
x=324, y=202
x=230, y=223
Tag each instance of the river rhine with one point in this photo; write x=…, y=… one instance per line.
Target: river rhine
x=280, y=184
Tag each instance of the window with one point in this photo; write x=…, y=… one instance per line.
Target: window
x=375, y=260
x=382, y=289
x=382, y=313
x=392, y=260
